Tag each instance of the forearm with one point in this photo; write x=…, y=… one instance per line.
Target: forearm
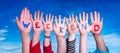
x=61, y=41
x=71, y=44
x=36, y=38
x=100, y=42
x=83, y=44
x=71, y=37
x=47, y=39
x=25, y=42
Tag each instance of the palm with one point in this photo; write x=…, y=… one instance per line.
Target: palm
x=25, y=23
x=48, y=27
x=58, y=31
x=39, y=27
x=84, y=31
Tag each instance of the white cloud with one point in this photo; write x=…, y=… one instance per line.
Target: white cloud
x=2, y=38
x=2, y=34
x=111, y=40
x=10, y=47
x=3, y=31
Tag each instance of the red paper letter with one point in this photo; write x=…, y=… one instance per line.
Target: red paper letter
x=47, y=26
x=36, y=24
x=96, y=28
x=71, y=27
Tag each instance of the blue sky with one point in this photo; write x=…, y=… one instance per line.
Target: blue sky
x=10, y=38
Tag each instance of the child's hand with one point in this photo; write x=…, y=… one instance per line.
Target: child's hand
x=25, y=22
x=71, y=26
x=83, y=26
x=59, y=28
x=96, y=23
x=48, y=24
x=37, y=22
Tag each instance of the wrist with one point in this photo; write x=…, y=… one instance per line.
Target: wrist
x=25, y=34
x=96, y=34
x=71, y=37
x=60, y=37
x=37, y=33
x=47, y=33
x=83, y=36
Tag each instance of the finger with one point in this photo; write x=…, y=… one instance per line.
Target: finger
x=72, y=17
x=91, y=17
x=17, y=20
x=77, y=19
x=49, y=17
x=46, y=17
x=52, y=18
x=25, y=16
x=98, y=17
x=38, y=15
x=59, y=19
x=28, y=14
x=95, y=16
x=64, y=20
x=22, y=14
x=101, y=21
x=31, y=17
x=69, y=18
x=41, y=16
x=56, y=20
x=35, y=16
x=83, y=16
x=86, y=17
x=80, y=17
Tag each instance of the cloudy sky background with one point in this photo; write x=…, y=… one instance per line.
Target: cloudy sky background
x=10, y=37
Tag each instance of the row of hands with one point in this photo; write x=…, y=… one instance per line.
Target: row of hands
x=73, y=23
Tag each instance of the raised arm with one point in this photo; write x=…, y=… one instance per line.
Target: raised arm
x=84, y=29
x=60, y=31
x=48, y=29
x=25, y=25
x=71, y=26
x=96, y=30
x=37, y=27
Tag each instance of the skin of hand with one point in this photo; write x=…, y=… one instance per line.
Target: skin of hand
x=71, y=26
x=37, y=27
x=60, y=31
x=83, y=31
x=96, y=21
x=25, y=17
x=48, y=28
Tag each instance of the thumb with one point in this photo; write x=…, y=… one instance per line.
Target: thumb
x=17, y=20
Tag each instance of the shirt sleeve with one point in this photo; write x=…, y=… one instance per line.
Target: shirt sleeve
x=36, y=48
x=48, y=49
x=99, y=51
x=70, y=46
